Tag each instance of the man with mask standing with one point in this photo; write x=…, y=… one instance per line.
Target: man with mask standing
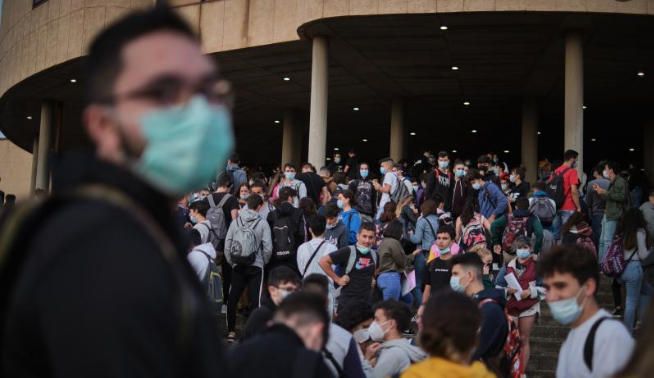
x=597, y=345
x=441, y=181
x=570, y=182
x=114, y=296
x=365, y=195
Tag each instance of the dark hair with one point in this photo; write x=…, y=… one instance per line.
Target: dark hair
x=484, y=159
x=317, y=224
x=283, y=274
x=575, y=219
x=474, y=174
x=347, y=193
x=394, y=229
x=234, y=158
x=468, y=260
x=389, y=212
x=245, y=184
x=331, y=210
x=632, y=221
x=429, y=207
x=200, y=206
x=224, y=180
x=458, y=162
x=520, y=171
x=540, y=185
x=469, y=209
x=338, y=177
x=443, y=154
x=319, y=281
x=104, y=61
x=285, y=193
x=449, y=327
x=438, y=199
x=289, y=165
x=310, y=166
x=599, y=168
x=522, y=203
x=613, y=165
x=367, y=226
x=307, y=307
x=572, y=259
x=258, y=184
x=308, y=206
x=397, y=311
x=253, y=202
x=446, y=229
x=570, y=154
x=386, y=159
x=355, y=313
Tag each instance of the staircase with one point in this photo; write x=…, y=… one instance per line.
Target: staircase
x=548, y=335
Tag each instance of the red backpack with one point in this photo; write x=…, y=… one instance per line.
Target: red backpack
x=514, y=227
x=510, y=363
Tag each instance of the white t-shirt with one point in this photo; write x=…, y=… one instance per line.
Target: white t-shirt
x=390, y=179
x=305, y=251
x=612, y=349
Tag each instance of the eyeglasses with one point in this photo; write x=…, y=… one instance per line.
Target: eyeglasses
x=169, y=90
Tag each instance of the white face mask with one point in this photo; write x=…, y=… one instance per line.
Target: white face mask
x=361, y=336
x=376, y=331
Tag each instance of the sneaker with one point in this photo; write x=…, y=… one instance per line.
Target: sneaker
x=223, y=309
x=617, y=312
x=231, y=337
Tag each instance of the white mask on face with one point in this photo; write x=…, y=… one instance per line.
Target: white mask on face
x=361, y=336
x=376, y=331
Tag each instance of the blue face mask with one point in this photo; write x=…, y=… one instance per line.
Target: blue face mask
x=363, y=173
x=193, y=219
x=523, y=253
x=455, y=284
x=289, y=175
x=444, y=251
x=460, y=172
x=339, y=203
x=185, y=145
x=382, y=170
x=566, y=311
x=362, y=249
x=476, y=186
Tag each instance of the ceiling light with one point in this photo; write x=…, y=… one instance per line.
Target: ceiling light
x=453, y=151
x=443, y=27
x=356, y=109
x=539, y=133
x=336, y=149
x=641, y=73
x=593, y=140
x=632, y=149
x=506, y=151
x=286, y=78
x=73, y=80
x=455, y=68
x=364, y=140
x=584, y=107
x=474, y=131
x=277, y=121
x=412, y=133
x=328, y=159
x=29, y=117
x=466, y=103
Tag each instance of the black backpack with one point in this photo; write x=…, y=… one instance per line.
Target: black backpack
x=283, y=237
x=554, y=187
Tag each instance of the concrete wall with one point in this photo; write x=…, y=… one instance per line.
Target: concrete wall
x=15, y=169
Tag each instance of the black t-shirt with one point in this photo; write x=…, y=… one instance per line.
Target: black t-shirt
x=228, y=206
x=353, y=170
x=438, y=274
x=518, y=191
x=360, y=276
x=314, y=184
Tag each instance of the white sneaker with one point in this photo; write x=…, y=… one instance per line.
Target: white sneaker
x=223, y=309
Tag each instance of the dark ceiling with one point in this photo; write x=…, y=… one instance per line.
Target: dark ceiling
x=503, y=58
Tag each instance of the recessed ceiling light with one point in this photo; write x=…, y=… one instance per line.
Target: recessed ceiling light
x=641, y=73
x=584, y=107
x=474, y=131
x=286, y=78
x=328, y=159
x=29, y=117
x=453, y=151
x=466, y=103
x=632, y=149
x=539, y=133
x=336, y=149
x=593, y=140
x=506, y=151
x=356, y=109
x=443, y=27
x=277, y=121
x=412, y=133
x=73, y=80
x=455, y=68
x=364, y=140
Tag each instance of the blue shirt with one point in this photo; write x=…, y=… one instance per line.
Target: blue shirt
x=492, y=201
x=423, y=234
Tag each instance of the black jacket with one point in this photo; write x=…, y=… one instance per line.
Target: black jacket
x=494, y=327
x=259, y=319
x=95, y=297
x=277, y=353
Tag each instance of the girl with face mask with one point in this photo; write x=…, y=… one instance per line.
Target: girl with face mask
x=527, y=308
x=243, y=194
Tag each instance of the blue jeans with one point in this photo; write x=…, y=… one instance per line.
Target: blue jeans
x=561, y=217
x=638, y=293
x=420, y=265
x=608, y=231
x=390, y=283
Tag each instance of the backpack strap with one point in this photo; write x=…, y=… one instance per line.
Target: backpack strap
x=312, y=256
x=330, y=357
x=351, y=259
x=212, y=203
x=431, y=227
x=222, y=200
x=589, y=345
x=211, y=230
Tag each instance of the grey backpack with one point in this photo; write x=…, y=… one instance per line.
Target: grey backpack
x=543, y=208
x=244, y=247
x=216, y=217
x=353, y=258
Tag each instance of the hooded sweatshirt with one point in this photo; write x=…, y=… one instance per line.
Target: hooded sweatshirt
x=337, y=235
x=436, y=367
x=494, y=327
x=199, y=260
x=395, y=356
x=262, y=231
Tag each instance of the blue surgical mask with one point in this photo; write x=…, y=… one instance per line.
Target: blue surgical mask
x=566, y=311
x=523, y=253
x=455, y=284
x=194, y=220
x=289, y=175
x=443, y=164
x=382, y=170
x=340, y=204
x=362, y=249
x=444, y=251
x=460, y=172
x=476, y=186
x=185, y=145
x=363, y=173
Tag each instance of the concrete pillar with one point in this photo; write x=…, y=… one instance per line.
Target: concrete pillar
x=398, y=132
x=42, y=180
x=574, y=96
x=648, y=150
x=35, y=159
x=530, y=140
x=291, y=140
x=318, y=115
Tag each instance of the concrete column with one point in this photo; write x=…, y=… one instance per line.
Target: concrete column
x=530, y=140
x=291, y=140
x=574, y=96
x=318, y=115
x=648, y=150
x=35, y=159
x=398, y=133
x=42, y=180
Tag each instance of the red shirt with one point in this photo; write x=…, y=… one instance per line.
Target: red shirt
x=569, y=178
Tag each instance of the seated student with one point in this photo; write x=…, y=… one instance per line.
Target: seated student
x=437, y=275
x=356, y=319
x=521, y=223
x=282, y=281
x=467, y=278
x=449, y=335
x=571, y=278
x=395, y=354
x=336, y=232
x=290, y=347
